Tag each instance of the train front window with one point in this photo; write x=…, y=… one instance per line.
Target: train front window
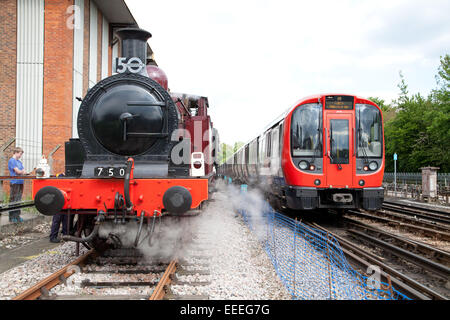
x=339, y=148
x=306, y=129
x=369, y=137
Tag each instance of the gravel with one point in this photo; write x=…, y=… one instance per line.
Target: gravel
x=238, y=266
x=24, y=236
x=25, y=275
x=222, y=245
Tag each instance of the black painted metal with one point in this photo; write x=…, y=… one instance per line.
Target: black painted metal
x=16, y=205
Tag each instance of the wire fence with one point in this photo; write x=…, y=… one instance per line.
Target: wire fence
x=443, y=179
x=409, y=185
x=310, y=262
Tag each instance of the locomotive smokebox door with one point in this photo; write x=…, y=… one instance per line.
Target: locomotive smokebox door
x=128, y=119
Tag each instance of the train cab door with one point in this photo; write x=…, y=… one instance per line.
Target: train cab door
x=338, y=161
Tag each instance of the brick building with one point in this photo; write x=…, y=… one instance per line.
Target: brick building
x=51, y=52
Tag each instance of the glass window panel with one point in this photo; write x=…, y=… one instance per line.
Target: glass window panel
x=339, y=141
x=369, y=135
x=306, y=129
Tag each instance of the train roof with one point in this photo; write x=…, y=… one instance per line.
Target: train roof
x=298, y=102
x=320, y=95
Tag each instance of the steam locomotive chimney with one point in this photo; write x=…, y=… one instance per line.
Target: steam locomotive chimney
x=134, y=44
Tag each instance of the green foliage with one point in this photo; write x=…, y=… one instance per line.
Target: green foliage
x=228, y=150
x=417, y=128
x=419, y=132
x=388, y=111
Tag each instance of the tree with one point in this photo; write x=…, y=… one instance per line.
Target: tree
x=420, y=130
x=386, y=109
x=439, y=120
x=228, y=150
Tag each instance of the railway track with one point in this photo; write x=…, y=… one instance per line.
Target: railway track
x=118, y=277
x=417, y=225
x=409, y=256
x=420, y=248
x=439, y=216
x=42, y=287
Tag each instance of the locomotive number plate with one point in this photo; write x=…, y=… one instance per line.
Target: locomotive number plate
x=110, y=172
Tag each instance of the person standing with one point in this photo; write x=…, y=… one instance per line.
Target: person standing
x=57, y=220
x=16, y=168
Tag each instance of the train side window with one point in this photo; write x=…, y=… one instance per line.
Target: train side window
x=253, y=149
x=262, y=149
x=247, y=155
x=275, y=140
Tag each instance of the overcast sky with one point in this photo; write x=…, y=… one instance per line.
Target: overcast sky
x=254, y=59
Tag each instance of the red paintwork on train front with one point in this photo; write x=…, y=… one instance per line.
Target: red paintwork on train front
x=145, y=194
x=296, y=177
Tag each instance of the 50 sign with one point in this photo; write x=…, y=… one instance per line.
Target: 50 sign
x=132, y=65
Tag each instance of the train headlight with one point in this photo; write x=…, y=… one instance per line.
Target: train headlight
x=373, y=166
x=366, y=168
x=303, y=165
x=312, y=167
x=317, y=182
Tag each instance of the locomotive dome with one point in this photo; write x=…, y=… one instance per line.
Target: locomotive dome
x=157, y=74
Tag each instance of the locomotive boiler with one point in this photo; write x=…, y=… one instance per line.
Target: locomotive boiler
x=133, y=158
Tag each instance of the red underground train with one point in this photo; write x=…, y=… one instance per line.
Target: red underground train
x=325, y=152
x=142, y=153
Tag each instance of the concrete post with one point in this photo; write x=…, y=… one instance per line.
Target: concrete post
x=429, y=183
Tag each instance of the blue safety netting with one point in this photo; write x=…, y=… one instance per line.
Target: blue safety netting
x=309, y=261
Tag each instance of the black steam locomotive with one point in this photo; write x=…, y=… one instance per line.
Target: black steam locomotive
x=132, y=161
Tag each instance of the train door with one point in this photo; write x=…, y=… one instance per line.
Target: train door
x=338, y=161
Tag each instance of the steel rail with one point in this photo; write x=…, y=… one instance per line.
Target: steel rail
x=403, y=217
x=436, y=254
x=418, y=260
x=403, y=283
x=161, y=289
x=441, y=218
x=416, y=207
x=427, y=231
x=53, y=280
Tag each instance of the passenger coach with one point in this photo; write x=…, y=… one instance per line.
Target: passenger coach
x=325, y=152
